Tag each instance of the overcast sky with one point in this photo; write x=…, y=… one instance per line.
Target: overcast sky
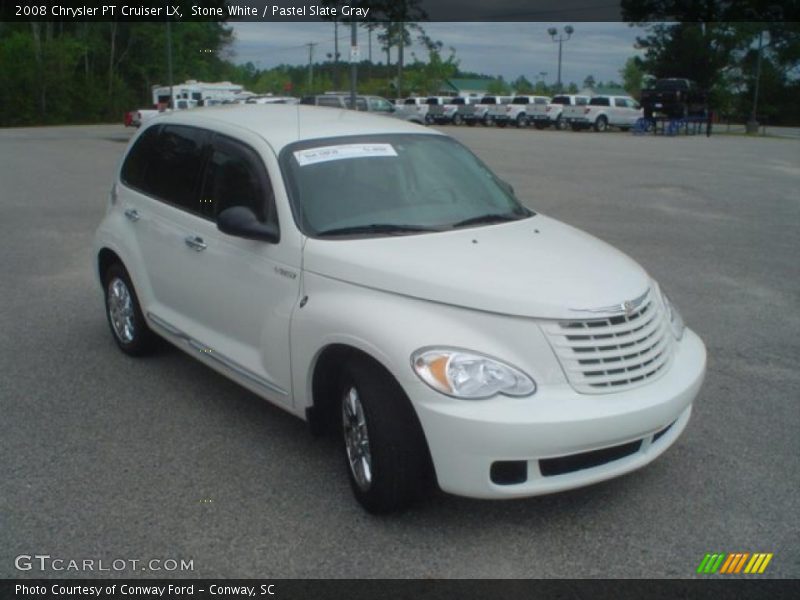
x=507, y=49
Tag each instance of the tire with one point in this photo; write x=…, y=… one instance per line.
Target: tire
x=488, y=121
x=384, y=448
x=560, y=124
x=601, y=124
x=124, y=313
x=458, y=119
x=428, y=120
x=522, y=121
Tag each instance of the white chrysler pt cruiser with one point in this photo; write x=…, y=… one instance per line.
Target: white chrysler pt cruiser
x=375, y=278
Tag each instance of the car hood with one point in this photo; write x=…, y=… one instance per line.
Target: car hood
x=535, y=267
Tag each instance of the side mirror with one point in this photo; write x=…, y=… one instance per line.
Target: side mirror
x=241, y=221
x=506, y=186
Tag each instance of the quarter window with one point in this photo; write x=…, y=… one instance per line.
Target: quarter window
x=620, y=102
x=135, y=165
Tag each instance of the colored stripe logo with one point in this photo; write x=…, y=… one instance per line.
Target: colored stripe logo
x=734, y=563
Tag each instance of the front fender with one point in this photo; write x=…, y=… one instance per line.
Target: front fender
x=391, y=327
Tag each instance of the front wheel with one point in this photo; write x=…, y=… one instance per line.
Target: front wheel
x=384, y=445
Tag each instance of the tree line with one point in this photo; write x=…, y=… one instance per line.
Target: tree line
x=81, y=72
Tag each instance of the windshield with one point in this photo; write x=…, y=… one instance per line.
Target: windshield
x=392, y=184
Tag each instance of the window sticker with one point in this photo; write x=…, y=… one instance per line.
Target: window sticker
x=326, y=153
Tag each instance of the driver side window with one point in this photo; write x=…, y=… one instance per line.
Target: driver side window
x=235, y=176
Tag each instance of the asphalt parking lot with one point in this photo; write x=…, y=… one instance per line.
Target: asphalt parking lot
x=107, y=457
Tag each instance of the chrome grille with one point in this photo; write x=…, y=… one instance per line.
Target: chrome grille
x=613, y=353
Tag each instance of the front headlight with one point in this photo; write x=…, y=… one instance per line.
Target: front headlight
x=465, y=374
x=675, y=319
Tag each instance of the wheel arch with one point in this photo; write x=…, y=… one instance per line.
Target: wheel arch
x=105, y=258
x=324, y=379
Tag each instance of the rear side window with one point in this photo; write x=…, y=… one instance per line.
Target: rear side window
x=581, y=101
x=560, y=100
x=599, y=102
x=361, y=103
x=135, y=165
x=235, y=176
x=174, y=167
x=620, y=102
x=331, y=101
x=488, y=100
x=520, y=100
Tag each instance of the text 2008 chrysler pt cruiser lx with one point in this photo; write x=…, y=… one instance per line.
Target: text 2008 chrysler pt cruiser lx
x=374, y=276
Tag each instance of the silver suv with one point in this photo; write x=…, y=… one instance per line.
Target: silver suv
x=373, y=104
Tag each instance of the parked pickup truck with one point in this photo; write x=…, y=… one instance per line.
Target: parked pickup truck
x=463, y=105
x=439, y=110
x=480, y=112
x=138, y=117
x=674, y=98
x=556, y=107
x=523, y=110
x=602, y=112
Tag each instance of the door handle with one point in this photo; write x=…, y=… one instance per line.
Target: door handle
x=195, y=243
x=132, y=214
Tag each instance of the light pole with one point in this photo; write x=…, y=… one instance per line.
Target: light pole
x=560, y=38
x=752, y=124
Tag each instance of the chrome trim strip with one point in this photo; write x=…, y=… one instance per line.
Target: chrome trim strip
x=616, y=308
x=213, y=354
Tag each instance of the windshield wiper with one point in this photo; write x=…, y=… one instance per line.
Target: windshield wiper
x=489, y=218
x=388, y=228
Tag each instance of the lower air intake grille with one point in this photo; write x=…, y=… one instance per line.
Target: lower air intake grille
x=586, y=460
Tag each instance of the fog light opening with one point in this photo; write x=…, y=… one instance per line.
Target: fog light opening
x=509, y=472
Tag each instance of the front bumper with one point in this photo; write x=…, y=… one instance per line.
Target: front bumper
x=466, y=437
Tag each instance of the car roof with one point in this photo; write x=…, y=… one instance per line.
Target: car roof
x=283, y=124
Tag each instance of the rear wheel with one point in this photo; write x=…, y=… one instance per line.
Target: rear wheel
x=522, y=121
x=458, y=119
x=488, y=121
x=601, y=124
x=387, y=460
x=124, y=313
